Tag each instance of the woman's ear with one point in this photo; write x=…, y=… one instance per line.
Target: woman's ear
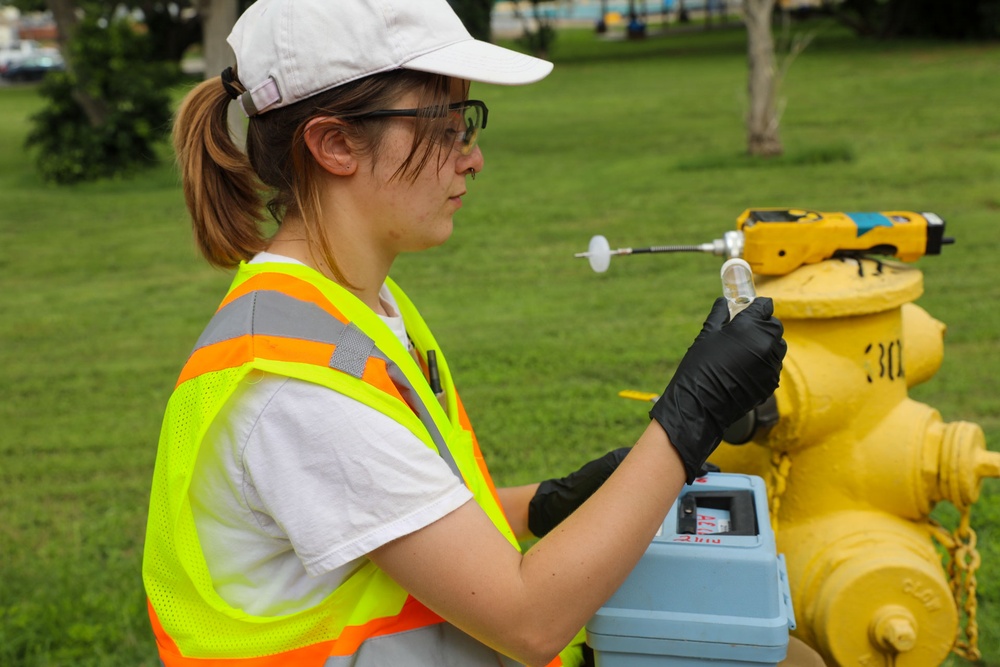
x=328, y=144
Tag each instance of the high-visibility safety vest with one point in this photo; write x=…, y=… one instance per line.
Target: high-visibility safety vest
x=289, y=320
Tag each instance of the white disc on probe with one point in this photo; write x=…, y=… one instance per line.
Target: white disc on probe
x=599, y=254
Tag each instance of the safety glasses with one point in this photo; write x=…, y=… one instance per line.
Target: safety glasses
x=469, y=119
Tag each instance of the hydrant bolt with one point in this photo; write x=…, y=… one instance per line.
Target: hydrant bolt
x=894, y=629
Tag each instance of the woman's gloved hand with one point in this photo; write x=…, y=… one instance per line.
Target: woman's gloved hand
x=556, y=499
x=731, y=368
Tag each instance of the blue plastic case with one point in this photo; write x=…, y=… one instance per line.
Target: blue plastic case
x=700, y=596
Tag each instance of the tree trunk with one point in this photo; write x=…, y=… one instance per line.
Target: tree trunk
x=64, y=14
x=762, y=117
x=217, y=19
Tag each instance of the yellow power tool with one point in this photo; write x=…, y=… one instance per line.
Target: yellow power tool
x=776, y=241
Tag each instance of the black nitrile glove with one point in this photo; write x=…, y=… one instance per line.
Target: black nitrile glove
x=556, y=499
x=730, y=369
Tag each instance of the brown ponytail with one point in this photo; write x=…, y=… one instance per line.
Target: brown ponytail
x=222, y=192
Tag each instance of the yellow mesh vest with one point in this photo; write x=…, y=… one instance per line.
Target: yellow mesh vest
x=190, y=618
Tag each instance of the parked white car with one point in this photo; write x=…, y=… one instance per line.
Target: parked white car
x=27, y=48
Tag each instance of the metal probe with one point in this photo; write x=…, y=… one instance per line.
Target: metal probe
x=599, y=253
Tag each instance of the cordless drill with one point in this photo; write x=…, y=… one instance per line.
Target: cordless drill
x=776, y=241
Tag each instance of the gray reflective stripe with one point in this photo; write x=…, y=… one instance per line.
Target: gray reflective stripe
x=353, y=350
x=440, y=645
x=271, y=313
x=413, y=400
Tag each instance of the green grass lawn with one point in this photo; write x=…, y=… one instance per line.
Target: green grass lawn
x=102, y=294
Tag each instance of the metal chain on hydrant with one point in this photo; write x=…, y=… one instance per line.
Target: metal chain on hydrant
x=781, y=465
x=963, y=561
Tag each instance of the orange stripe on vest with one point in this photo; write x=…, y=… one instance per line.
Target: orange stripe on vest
x=463, y=419
x=290, y=285
x=412, y=616
x=235, y=352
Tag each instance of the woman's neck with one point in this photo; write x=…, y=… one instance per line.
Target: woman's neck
x=363, y=273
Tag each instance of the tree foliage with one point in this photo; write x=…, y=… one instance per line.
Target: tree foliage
x=171, y=30
x=26, y=6
x=946, y=19
x=105, y=113
x=475, y=14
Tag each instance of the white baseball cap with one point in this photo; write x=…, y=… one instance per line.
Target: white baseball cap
x=288, y=50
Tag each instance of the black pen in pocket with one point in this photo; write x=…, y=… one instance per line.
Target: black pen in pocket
x=433, y=375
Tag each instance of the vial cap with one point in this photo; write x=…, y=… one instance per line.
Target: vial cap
x=737, y=284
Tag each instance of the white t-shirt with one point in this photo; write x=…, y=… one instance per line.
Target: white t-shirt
x=295, y=483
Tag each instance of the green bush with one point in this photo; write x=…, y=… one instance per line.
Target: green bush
x=109, y=63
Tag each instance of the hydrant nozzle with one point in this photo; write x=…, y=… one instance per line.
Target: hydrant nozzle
x=964, y=463
x=987, y=464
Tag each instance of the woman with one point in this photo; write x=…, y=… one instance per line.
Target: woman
x=319, y=497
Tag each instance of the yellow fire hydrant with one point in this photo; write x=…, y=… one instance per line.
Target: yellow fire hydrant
x=855, y=467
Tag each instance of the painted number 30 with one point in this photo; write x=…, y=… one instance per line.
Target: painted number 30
x=884, y=360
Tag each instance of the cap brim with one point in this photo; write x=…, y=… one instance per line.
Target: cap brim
x=483, y=62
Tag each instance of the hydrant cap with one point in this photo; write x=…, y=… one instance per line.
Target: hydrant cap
x=841, y=288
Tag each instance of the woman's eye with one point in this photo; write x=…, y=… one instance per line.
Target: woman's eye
x=453, y=134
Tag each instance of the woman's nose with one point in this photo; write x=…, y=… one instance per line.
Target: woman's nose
x=473, y=161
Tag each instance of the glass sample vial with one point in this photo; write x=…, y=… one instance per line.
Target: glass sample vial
x=737, y=285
